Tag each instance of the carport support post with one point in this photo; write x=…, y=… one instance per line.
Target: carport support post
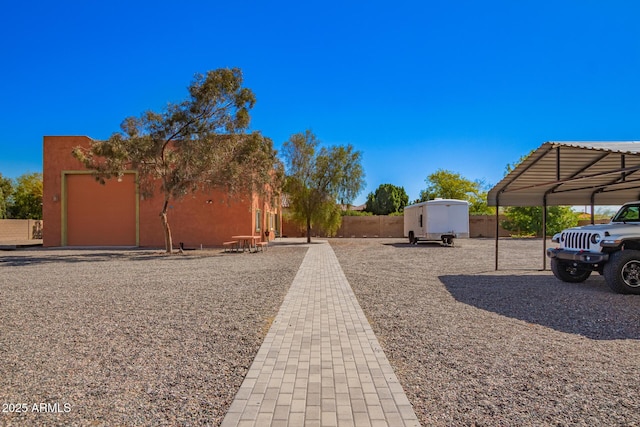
x=544, y=233
x=497, y=226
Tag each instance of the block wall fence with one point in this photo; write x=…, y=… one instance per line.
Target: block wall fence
x=20, y=229
x=374, y=226
x=391, y=226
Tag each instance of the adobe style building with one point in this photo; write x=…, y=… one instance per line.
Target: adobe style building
x=79, y=211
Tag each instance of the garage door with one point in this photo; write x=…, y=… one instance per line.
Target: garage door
x=100, y=215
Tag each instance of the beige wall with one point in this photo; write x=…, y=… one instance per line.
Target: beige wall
x=485, y=226
x=371, y=226
x=354, y=226
x=18, y=229
x=597, y=221
x=393, y=226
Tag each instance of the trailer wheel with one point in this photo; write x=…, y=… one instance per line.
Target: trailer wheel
x=411, y=237
x=447, y=241
x=622, y=272
x=567, y=273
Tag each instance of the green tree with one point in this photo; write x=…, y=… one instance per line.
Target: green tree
x=26, y=200
x=451, y=185
x=478, y=201
x=386, y=200
x=6, y=191
x=349, y=212
x=511, y=166
x=193, y=145
x=317, y=178
x=527, y=220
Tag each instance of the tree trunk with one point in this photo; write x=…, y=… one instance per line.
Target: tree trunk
x=168, y=243
x=308, y=230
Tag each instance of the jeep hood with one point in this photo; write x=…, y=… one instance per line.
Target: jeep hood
x=612, y=227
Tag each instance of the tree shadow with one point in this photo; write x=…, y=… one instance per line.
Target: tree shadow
x=589, y=309
x=284, y=243
x=51, y=257
x=429, y=244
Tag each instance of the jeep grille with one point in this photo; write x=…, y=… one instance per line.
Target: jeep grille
x=577, y=240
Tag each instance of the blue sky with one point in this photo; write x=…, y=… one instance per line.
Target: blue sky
x=467, y=86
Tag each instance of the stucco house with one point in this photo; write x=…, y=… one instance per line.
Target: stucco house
x=79, y=211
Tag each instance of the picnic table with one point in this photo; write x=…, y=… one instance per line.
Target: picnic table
x=248, y=241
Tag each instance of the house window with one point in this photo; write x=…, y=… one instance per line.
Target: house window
x=258, y=220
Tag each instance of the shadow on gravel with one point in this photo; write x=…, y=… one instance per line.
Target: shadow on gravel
x=419, y=245
x=295, y=243
x=589, y=309
x=51, y=258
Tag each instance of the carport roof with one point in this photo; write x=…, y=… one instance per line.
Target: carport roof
x=573, y=173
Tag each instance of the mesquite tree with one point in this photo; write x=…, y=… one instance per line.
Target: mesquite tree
x=193, y=145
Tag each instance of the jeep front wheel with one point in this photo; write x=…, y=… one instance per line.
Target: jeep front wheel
x=568, y=273
x=622, y=272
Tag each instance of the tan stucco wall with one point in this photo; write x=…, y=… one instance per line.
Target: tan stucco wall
x=17, y=229
x=371, y=226
x=393, y=226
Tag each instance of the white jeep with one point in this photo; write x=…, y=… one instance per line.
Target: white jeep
x=612, y=250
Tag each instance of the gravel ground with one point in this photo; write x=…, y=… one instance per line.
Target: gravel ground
x=139, y=338
x=132, y=337
x=476, y=347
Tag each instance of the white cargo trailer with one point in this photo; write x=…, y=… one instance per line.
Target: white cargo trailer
x=439, y=219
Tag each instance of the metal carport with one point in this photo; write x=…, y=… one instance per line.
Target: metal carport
x=571, y=173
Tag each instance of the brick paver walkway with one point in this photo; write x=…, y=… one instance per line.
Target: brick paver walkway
x=320, y=363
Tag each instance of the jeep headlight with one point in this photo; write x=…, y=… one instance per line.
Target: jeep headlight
x=595, y=238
